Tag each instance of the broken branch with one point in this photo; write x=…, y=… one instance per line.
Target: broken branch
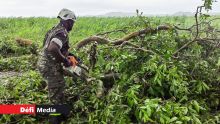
x=101, y=40
x=198, y=10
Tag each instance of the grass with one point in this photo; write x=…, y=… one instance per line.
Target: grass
x=35, y=28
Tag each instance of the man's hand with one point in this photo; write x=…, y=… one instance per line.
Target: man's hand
x=76, y=57
x=67, y=62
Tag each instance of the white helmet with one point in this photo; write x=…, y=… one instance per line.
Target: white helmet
x=66, y=14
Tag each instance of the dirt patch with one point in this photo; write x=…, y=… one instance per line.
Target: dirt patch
x=8, y=74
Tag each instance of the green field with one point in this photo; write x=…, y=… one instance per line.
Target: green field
x=152, y=88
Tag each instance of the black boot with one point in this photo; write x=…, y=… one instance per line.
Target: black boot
x=54, y=120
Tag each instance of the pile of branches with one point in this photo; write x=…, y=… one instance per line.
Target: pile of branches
x=195, y=60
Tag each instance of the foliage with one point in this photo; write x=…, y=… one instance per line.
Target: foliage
x=152, y=88
x=208, y=4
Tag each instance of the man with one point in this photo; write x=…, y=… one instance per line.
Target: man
x=54, y=55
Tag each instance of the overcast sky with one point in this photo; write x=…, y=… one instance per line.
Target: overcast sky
x=50, y=8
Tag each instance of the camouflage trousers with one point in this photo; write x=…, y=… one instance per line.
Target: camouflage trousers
x=56, y=95
x=53, y=74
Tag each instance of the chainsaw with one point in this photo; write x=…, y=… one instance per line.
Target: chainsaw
x=78, y=69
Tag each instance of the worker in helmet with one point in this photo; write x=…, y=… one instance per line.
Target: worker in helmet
x=54, y=56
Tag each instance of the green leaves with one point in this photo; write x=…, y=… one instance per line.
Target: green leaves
x=153, y=88
x=146, y=111
x=157, y=110
x=200, y=86
x=173, y=119
x=131, y=95
x=196, y=105
x=208, y=4
x=218, y=64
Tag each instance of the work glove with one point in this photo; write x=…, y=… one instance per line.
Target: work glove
x=77, y=58
x=67, y=62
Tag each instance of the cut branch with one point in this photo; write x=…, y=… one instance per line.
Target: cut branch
x=108, y=32
x=141, y=32
x=129, y=44
x=101, y=40
x=183, y=29
x=198, y=10
x=110, y=76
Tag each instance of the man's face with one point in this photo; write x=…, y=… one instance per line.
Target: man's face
x=70, y=24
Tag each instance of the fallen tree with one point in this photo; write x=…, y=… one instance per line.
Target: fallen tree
x=159, y=74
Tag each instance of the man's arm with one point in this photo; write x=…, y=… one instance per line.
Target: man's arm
x=54, y=49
